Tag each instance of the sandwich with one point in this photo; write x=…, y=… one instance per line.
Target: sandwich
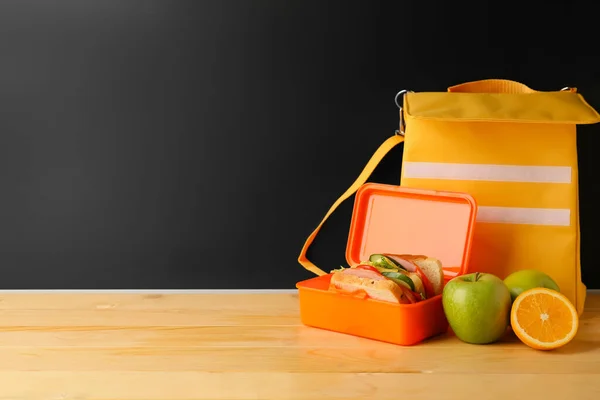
x=396, y=278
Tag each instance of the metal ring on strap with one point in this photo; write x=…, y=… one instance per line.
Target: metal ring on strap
x=402, y=125
x=402, y=92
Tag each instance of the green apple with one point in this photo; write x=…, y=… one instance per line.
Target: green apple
x=519, y=281
x=477, y=307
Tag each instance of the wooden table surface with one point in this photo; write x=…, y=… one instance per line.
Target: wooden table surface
x=252, y=346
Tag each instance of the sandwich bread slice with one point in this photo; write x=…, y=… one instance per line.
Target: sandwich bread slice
x=403, y=279
x=431, y=267
x=374, y=285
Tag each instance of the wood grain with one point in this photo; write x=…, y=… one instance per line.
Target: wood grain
x=194, y=385
x=253, y=346
x=149, y=310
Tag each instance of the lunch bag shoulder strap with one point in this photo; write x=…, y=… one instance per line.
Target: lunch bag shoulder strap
x=376, y=158
x=498, y=86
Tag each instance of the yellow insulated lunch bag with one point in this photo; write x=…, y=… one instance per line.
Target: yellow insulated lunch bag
x=514, y=150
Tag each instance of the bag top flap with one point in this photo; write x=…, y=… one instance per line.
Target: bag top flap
x=562, y=107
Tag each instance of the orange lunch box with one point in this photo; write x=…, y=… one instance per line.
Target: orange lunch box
x=397, y=220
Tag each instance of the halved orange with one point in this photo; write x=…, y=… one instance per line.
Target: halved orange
x=544, y=319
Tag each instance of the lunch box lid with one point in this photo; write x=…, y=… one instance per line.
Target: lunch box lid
x=401, y=220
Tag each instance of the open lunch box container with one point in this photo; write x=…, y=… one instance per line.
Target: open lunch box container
x=395, y=220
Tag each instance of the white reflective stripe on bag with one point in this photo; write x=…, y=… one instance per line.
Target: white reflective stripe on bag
x=487, y=172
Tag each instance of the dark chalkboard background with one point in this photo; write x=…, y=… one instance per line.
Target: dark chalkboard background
x=195, y=144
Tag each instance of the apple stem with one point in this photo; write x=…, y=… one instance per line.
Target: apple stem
x=477, y=275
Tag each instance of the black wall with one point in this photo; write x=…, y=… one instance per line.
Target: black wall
x=196, y=144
